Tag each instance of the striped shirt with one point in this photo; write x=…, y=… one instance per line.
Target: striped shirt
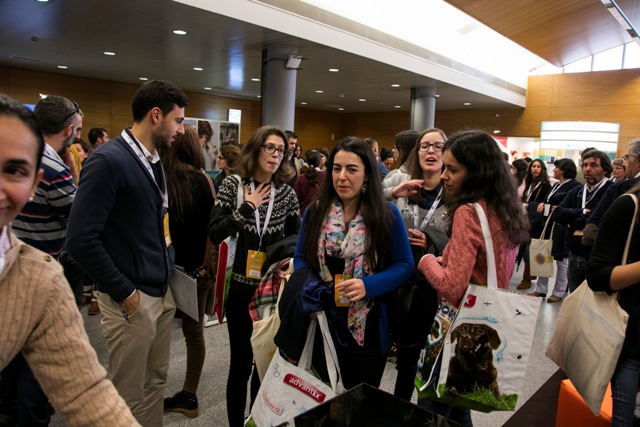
x=42, y=223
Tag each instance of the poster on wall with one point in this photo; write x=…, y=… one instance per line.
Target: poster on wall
x=212, y=135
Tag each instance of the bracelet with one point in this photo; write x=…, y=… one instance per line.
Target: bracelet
x=250, y=203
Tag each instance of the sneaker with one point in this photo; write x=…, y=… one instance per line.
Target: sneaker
x=183, y=402
x=94, y=308
x=554, y=298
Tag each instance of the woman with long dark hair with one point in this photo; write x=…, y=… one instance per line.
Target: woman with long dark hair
x=536, y=188
x=351, y=233
x=474, y=172
x=309, y=182
x=269, y=212
x=519, y=171
x=190, y=202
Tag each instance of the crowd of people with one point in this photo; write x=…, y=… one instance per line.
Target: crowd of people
x=114, y=218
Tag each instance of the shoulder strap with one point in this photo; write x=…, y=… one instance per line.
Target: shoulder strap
x=240, y=196
x=492, y=276
x=210, y=181
x=625, y=254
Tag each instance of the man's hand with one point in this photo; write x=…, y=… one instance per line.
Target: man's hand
x=131, y=304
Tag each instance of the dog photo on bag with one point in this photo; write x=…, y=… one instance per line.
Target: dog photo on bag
x=472, y=363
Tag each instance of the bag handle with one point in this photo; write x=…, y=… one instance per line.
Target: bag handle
x=492, y=275
x=625, y=254
x=240, y=195
x=545, y=228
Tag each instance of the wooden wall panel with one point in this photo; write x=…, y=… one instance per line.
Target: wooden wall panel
x=317, y=129
x=4, y=80
x=380, y=126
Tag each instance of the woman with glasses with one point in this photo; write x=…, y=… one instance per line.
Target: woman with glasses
x=227, y=159
x=269, y=211
x=417, y=192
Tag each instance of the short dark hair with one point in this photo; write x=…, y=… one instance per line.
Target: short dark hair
x=385, y=154
x=96, y=133
x=11, y=108
x=290, y=134
x=405, y=141
x=568, y=168
x=157, y=93
x=605, y=161
x=54, y=113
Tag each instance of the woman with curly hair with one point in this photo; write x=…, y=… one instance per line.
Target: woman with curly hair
x=307, y=184
x=536, y=188
x=474, y=172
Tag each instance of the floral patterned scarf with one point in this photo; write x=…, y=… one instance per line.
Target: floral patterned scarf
x=349, y=245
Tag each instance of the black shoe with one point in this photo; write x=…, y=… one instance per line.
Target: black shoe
x=184, y=402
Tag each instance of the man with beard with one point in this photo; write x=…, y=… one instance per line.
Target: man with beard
x=575, y=209
x=42, y=223
x=119, y=235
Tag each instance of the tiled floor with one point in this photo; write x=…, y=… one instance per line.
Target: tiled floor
x=211, y=393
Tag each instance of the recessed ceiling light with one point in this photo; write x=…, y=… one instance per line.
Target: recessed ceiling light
x=497, y=131
x=255, y=79
x=63, y=67
x=259, y=96
x=319, y=91
x=179, y=32
x=197, y=69
x=144, y=79
x=340, y=109
x=333, y=70
x=109, y=53
x=397, y=106
x=303, y=103
x=43, y=1
x=362, y=100
x=42, y=95
x=467, y=103
x=207, y=88
x=395, y=85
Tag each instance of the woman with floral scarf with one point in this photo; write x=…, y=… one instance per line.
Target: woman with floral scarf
x=358, y=245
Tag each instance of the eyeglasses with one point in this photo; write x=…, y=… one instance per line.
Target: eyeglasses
x=626, y=157
x=437, y=146
x=76, y=110
x=270, y=149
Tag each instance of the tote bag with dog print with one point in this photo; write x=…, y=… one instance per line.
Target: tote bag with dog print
x=486, y=351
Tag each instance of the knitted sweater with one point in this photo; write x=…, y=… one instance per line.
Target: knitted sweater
x=464, y=259
x=39, y=317
x=226, y=221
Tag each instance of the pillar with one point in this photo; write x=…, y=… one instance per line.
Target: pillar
x=278, y=88
x=423, y=108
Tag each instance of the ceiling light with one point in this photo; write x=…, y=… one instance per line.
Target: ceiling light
x=259, y=96
x=109, y=53
x=497, y=131
x=179, y=32
x=397, y=106
x=362, y=100
x=340, y=109
x=144, y=79
x=622, y=19
x=43, y=1
x=395, y=85
x=255, y=79
x=467, y=103
x=42, y=95
x=207, y=88
x=319, y=91
x=303, y=103
x=62, y=67
x=333, y=70
x=197, y=69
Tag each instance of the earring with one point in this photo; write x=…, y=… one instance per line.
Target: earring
x=364, y=188
x=31, y=199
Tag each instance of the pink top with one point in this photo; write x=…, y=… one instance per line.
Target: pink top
x=464, y=259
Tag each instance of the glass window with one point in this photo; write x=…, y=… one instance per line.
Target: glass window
x=608, y=60
x=632, y=55
x=581, y=66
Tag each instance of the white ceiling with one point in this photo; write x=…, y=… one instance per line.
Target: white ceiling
x=75, y=33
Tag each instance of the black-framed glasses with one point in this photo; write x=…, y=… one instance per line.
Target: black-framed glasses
x=76, y=110
x=437, y=146
x=270, y=149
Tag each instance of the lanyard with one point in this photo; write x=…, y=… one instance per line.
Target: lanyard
x=427, y=218
x=531, y=190
x=555, y=188
x=134, y=144
x=267, y=218
x=586, y=199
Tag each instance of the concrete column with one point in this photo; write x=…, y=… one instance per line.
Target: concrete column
x=423, y=108
x=278, y=88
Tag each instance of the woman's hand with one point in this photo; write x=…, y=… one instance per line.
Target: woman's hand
x=352, y=289
x=417, y=238
x=261, y=195
x=540, y=208
x=406, y=189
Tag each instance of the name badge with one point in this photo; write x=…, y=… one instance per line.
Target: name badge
x=255, y=261
x=547, y=209
x=341, y=300
x=165, y=226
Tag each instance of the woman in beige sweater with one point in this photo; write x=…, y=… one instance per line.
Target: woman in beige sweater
x=38, y=315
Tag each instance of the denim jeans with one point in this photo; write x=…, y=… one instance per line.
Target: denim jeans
x=560, y=288
x=624, y=387
x=577, y=272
